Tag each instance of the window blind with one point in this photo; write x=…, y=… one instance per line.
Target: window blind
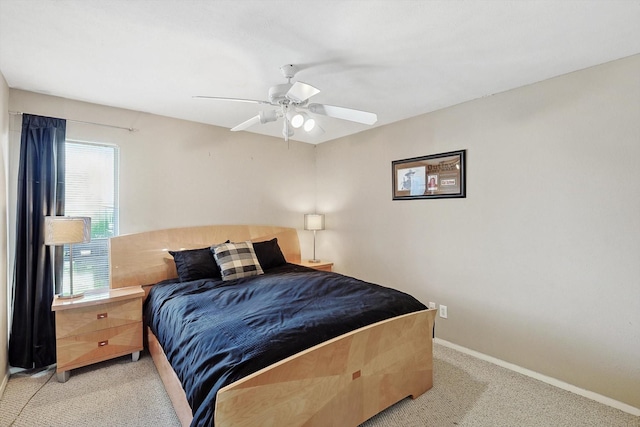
x=91, y=189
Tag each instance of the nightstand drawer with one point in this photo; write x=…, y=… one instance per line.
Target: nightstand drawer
x=83, y=320
x=79, y=350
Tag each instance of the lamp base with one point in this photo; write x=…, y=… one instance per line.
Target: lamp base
x=314, y=260
x=66, y=295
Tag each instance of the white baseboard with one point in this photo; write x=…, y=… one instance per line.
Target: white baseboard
x=549, y=380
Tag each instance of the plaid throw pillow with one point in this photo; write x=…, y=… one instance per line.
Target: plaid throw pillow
x=236, y=260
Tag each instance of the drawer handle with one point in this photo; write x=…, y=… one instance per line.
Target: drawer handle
x=102, y=316
x=103, y=343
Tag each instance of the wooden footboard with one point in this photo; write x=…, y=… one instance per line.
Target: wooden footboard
x=341, y=382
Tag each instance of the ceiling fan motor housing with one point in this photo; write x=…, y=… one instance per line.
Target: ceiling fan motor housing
x=289, y=71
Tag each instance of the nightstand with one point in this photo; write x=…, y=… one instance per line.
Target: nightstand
x=99, y=326
x=322, y=265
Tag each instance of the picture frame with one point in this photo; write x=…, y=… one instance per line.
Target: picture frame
x=436, y=176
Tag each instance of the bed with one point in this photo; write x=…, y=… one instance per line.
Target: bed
x=343, y=380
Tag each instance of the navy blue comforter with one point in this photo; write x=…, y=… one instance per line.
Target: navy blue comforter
x=216, y=332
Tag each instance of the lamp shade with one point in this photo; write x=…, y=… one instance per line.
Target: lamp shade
x=61, y=230
x=314, y=222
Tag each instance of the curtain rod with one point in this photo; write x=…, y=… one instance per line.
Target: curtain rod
x=19, y=113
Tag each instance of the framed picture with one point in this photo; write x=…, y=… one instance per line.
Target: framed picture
x=436, y=176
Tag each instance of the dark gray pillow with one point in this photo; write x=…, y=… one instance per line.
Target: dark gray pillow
x=194, y=264
x=269, y=254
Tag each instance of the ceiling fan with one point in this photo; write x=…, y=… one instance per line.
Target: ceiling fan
x=292, y=103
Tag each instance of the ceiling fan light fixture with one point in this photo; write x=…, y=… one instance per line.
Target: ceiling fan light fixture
x=297, y=120
x=268, y=116
x=286, y=130
x=309, y=124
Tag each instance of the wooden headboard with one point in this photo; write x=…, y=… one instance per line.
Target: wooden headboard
x=144, y=259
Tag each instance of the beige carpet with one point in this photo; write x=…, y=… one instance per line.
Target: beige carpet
x=467, y=392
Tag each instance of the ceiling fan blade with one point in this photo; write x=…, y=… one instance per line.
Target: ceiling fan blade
x=300, y=92
x=247, y=124
x=344, y=113
x=220, y=98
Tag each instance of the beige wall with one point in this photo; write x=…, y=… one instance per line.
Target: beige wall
x=540, y=264
x=176, y=173
x=4, y=303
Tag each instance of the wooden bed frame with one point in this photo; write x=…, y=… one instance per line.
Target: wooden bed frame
x=341, y=382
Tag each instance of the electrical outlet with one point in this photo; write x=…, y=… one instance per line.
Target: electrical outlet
x=432, y=305
x=443, y=311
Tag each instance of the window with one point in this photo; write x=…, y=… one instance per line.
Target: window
x=91, y=189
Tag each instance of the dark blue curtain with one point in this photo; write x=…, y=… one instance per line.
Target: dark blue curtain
x=40, y=193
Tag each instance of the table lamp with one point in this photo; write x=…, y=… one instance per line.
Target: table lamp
x=67, y=230
x=314, y=222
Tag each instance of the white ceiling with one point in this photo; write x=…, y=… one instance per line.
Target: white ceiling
x=396, y=58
